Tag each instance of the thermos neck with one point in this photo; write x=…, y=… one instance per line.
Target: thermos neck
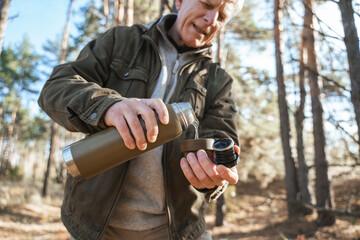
x=70, y=164
x=185, y=114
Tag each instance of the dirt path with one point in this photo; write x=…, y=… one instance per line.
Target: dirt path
x=252, y=214
x=29, y=221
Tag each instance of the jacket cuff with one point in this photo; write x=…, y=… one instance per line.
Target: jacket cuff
x=93, y=118
x=206, y=190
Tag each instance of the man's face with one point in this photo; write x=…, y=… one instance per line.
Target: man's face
x=199, y=21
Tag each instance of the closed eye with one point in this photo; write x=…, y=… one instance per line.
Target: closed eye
x=206, y=4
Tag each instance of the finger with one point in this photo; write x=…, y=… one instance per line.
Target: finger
x=237, y=149
x=136, y=129
x=159, y=106
x=124, y=132
x=199, y=171
x=228, y=174
x=189, y=174
x=209, y=167
x=151, y=125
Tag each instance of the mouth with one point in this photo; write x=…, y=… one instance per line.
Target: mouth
x=199, y=30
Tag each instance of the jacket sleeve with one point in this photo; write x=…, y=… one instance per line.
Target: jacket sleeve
x=74, y=95
x=220, y=118
x=220, y=121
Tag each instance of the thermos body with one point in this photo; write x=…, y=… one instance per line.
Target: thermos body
x=106, y=149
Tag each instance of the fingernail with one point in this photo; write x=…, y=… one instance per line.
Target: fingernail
x=201, y=153
x=131, y=145
x=152, y=139
x=143, y=146
x=166, y=119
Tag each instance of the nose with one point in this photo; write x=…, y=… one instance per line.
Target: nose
x=210, y=17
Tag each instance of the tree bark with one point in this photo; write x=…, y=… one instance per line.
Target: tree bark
x=6, y=155
x=174, y=9
x=118, y=12
x=323, y=196
x=220, y=211
x=53, y=144
x=163, y=4
x=4, y=9
x=290, y=169
x=129, y=21
x=303, y=170
x=2, y=132
x=54, y=127
x=65, y=34
x=220, y=202
x=106, y=13
x=353, y=53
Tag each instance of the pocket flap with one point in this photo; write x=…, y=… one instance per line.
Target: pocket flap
x=196, y=86
x=122, y=70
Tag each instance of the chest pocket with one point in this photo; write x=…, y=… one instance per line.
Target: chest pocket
x=195, y=93
x=129, y=82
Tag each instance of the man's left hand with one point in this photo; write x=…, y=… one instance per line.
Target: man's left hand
x=201, y=172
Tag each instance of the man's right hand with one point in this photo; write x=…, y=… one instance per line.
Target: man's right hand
x=124, y=115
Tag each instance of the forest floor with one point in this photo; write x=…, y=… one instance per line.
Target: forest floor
x=252, y=213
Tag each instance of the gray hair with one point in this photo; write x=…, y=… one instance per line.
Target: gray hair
x=238, y=6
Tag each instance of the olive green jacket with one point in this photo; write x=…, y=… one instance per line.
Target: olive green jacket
x=124, y=62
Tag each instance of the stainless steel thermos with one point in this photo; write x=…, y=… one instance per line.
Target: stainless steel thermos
x=106, y=149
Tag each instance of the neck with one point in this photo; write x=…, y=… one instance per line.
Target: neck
x=176, y=36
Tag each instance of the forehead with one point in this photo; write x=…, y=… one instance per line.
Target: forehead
x=228, y=6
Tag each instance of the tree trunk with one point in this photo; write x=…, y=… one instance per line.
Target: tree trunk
x=6, y=155
x=2, y=131
x=323, y=196
x=53, y=144
x=54, y=127
x=106, y=13
x=129, y=21
x=65, y=34
x=303, y=170
x=220, y=202
x=352, y=47
x=220, y=211
x=14, y=140
x=118, y=12
x=290, y=169
x=4, y=9
x=163, y=4
x=174, y=9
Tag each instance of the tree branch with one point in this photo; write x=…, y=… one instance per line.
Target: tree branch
x=324, y=77
x=324, y=209
x=331, y=210
x=337, y=125
x=321, y=21
x=13, y=17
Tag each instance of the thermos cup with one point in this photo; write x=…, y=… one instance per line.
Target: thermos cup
x=106, y=149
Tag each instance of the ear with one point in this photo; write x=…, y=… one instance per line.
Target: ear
x=178, y=4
